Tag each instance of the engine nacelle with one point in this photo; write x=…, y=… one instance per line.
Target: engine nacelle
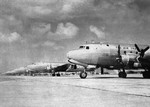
x=137, y=65
x=125, y=59
x=131, y=61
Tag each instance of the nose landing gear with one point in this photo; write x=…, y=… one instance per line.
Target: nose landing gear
x=83, y=75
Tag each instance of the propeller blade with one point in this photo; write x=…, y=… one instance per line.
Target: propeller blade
x=142, y=51
x=146, y=49
x=138, y=49
x=102, y=70
x=119, y=50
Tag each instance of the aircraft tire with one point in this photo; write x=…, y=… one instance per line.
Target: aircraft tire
x=122, y=75
x=83, y=75
x=146, y=74
x=53, y=74
x=58, y=74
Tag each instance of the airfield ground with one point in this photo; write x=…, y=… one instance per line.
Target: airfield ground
x=71, y=91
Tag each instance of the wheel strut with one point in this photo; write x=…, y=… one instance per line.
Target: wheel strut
x=122, y=74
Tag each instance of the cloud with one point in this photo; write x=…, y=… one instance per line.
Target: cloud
x=69, y=6
x=38, y=10
x=43, y=31
x=9, y=38
x=49, y=44
x=52, y=45
x=64, y=31
x=98, y=32
x=68, y=30
x=39, y=29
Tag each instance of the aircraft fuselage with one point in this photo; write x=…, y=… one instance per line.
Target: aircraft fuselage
x=106, y=55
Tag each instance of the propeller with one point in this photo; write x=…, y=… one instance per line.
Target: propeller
x=142, y=51
x=119, y=59
x=119, y=53
x=119, y=50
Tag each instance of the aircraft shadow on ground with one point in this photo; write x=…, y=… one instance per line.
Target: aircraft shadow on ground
x=115, y=78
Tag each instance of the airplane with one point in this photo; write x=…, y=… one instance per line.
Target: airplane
x=53, y=68
x=18, y=71
x=112, y=56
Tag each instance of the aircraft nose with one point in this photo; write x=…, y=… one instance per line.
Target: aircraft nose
x=79, y=55
x=68, y=55
x=71, y=54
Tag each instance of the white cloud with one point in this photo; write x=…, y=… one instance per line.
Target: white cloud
x=71, y=5
x=68, y=31
x=52, y=45
x=99, y=32
x=64, y=31
x=9, y=38
x=67, y=8
x=58, y=47
x=40, y=29
x=38, y=10
x=49, y=44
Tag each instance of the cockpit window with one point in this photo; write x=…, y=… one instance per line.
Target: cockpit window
x=87, y=47
x=84, y=47
x=81, y=47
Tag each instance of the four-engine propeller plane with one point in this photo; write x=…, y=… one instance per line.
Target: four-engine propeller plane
x=112, y=56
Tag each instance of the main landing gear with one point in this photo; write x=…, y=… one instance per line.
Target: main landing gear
x=83, y=74
x=58, y=74
x=122, y=74
x=55, y=74
x=146, y=74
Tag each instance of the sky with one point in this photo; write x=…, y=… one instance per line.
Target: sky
x=45, y=30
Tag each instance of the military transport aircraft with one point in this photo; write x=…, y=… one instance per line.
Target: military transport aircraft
x=53, y=68
x=112, y=56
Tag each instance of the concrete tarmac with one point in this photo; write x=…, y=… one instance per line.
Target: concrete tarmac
x=71, y=91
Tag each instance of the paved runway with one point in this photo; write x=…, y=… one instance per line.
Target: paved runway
x=95, y=91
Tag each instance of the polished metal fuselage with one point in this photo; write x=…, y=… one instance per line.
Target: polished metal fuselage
x=106, y=55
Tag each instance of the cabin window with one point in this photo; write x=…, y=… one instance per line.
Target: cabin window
x=81, y=47
x=87, y=47
x=125, y=52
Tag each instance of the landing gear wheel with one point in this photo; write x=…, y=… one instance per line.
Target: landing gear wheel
x=58, y=74
x=83, y=75
x=122, y=75
x=53, y=74
x=146, y=74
